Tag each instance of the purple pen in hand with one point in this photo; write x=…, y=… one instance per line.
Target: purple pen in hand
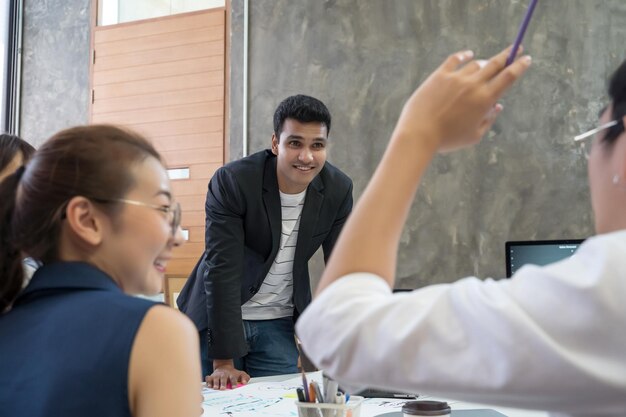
x=520, y=33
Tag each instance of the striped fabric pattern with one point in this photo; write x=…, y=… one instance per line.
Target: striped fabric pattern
x=275, y=297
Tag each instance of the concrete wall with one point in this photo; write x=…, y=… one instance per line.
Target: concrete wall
x=363, y=58
x=526, y=180
x=55, y=67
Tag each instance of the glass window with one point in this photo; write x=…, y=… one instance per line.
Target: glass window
x=4, y=41
x=111, y=12
x=10, y=46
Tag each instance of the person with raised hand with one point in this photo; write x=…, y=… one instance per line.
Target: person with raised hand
x=550, y=338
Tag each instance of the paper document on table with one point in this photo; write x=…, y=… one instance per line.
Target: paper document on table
x=276, y=399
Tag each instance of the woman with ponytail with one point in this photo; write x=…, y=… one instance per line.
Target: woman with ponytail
x=12, y=275
x=94, y=206
x=14, y=152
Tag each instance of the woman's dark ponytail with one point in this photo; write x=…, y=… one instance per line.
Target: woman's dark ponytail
x=11, y=269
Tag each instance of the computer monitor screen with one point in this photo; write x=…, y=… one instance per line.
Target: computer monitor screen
x=538, y=252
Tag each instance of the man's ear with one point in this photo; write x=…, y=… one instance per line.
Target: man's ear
x=274, y=144
x=84, y=221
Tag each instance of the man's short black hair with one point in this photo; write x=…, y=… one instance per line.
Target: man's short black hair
x=304, y=109
x=617, y=93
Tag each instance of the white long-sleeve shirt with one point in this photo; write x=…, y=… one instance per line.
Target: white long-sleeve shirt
x=550, y=338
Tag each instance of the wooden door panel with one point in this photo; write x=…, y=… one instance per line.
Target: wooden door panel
x=192, y=202
x=164, y=113
x=165, y=69
x=189, y=188
x=193, y=219
x=165, y=78
x=158, y=99
x=148, y=28
x=155, y=85
x=160, y=40
x=156, y=56
x=182, y=267
x=189, y=141
x=181, y=127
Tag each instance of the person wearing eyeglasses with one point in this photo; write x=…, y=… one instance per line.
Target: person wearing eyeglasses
x=551, y=338
x=94, y=206
x=585, y=139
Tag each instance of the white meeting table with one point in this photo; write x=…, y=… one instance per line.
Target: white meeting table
x=455, y=405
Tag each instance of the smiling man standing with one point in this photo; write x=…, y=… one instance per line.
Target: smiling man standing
x=266, y=215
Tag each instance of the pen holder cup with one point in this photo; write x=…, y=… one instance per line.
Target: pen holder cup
x=350, y=409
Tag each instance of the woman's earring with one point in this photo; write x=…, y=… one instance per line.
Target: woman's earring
x=615, y=179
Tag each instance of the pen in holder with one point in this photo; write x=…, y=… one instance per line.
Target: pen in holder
x=352, y=408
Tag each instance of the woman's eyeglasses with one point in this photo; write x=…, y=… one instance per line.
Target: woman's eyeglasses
x=173, y=212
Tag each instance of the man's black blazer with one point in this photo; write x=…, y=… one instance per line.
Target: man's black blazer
x=242, y=237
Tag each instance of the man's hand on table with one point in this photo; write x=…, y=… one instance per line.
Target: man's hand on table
x=225, y=375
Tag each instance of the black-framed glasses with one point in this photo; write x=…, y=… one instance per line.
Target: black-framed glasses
x=173, y=211
x=586, y=144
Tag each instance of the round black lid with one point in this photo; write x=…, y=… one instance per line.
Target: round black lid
x=426, y=408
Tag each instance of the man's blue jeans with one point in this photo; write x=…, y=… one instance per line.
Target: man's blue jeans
x=271, y=349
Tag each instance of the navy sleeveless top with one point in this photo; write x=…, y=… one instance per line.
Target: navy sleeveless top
x=65, y=345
